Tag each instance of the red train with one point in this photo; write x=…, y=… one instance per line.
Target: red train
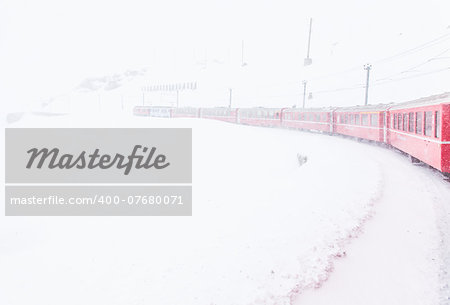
x=420, y=128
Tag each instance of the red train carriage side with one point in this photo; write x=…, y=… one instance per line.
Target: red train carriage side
x=368, y=122
x=267, y=117
x=187, y=112
x=421, y=128
x=445, y=138
x=320, y=119
x=141, y=110
x=221, y=114
x=153, y=111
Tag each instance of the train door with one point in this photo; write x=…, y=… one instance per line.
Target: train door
x=389, y=125
x=383, y=126
x=333, y=121
x=330, y=121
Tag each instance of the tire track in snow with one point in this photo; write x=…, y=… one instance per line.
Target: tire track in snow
x=337, y=248
x=397, y=260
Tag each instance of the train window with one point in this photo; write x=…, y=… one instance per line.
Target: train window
x=357, y=121
x=392, y=121
x=411, y=122
x=365, y=119
x=428, y=123
x=352, y=119
x=419, y=122
x=399, y=121
x=405, y=122
x=374, y=119
x=437, y=127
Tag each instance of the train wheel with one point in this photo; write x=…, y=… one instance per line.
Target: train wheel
x=414, y=160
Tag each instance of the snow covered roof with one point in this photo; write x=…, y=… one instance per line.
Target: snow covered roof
x=425, y=101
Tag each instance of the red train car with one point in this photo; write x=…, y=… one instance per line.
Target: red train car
x=364, y=122
x=141, y=110
x=421, y=128
x=267, y=117
x=187, y=112
x=320, y=119
x=221, y=114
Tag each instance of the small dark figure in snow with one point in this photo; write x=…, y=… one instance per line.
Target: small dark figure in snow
x=301, y=159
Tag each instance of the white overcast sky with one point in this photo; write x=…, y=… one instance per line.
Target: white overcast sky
x=48, y=46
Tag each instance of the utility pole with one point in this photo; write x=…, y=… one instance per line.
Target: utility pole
x=242, y=55
x=308, y=60
x=367, y=67
x=304, y=93
x=231, y=94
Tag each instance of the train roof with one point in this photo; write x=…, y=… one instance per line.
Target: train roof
x=378, y=107
x=261, y=108
x=424, y=101
x=325, y=109
x=443, y=98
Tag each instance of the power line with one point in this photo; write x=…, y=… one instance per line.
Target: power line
x=425, y=45
x=418, y=48
x=360, y=86
x=412, y=76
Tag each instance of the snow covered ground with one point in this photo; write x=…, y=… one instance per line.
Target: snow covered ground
x=357, y=221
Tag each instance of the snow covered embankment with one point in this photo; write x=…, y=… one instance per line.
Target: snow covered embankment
x=262, y=230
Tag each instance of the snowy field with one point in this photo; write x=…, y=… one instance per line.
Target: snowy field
x=357, y=221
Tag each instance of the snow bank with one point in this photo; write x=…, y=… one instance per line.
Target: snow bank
x=262, y=230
